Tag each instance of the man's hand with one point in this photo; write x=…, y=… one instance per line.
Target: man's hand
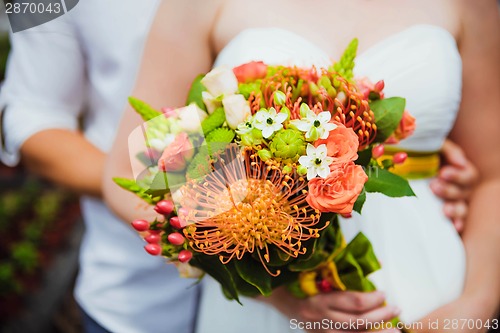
x=454, y=183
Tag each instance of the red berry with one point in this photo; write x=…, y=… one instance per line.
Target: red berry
x=324, y=286
x=379, y=86
x=378, y=151
x=176, y=238
x=152, y=238
x=140, y=225
x=177, y=223
x=164, y=207
x=347, y=215
x=399, y=158
x=153, y=249
x=185, y=256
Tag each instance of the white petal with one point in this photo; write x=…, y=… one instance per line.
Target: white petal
x=302, y=125
x=281, y=117
x=329, y=126
x=328, y=160
x=324, y=116
x=323, y=172
x=304, y=160
x=310, y=150
x=267, y=132
x=236, y=109
x=311, y=173
x=323, y=133
x=261, y=116
x=321, y=150
x=276, y=127
x=210, y=102
x=220, y=81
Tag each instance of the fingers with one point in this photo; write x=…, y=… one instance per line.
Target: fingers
x=365, y=321
x=453, y=154
x=457, y=212
x=353, y=302
x=448, y=191
x=465, y=176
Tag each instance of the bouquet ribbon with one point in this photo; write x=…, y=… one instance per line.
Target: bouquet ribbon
x=418, y=165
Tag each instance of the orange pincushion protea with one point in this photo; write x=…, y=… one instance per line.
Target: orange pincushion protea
x=246, y=205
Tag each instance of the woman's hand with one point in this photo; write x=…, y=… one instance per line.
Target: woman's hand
x=338, y=311
x=454, y=183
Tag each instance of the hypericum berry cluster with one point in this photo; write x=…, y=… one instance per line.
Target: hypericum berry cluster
x=165, y=238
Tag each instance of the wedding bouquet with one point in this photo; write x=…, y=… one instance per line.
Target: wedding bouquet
x=249, y=178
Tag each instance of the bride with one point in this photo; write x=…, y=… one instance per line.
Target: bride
x=442, y=56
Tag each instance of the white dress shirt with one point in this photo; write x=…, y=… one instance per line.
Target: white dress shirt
x=84, y=64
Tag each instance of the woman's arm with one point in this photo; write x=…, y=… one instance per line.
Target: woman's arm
x=177, y=50
x=477, y=132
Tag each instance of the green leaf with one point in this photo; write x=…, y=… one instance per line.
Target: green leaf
x=356, y=262
x=254, y=273
x=163, y=183
x=194, y=95
x=360, y=201
x=131, y=186
x=385, y=182
x=310, y=264
x=143, y=109
x=220, y=272
x=364, y=157
x=388, y=113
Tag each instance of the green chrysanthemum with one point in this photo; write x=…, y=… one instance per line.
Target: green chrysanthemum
x=288, y=145
x=213, y=121
x=216, y=142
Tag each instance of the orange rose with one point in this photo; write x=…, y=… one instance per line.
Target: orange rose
x=405, y=129
x=174, y=157
x=338, y=192
x=342, y=144
x=250, y=71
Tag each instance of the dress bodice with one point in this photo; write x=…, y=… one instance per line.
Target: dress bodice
x=420, y=63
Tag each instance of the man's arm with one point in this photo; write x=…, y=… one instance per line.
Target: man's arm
x=67, y=158
x=42, y=98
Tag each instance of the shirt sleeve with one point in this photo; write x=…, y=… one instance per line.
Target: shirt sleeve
x=44, y=86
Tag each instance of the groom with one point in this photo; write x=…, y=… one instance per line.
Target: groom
x=66, y=87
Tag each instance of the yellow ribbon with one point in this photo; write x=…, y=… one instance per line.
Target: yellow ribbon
x=418, y=165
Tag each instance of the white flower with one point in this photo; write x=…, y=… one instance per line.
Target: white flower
x=269, y=121
x=160, y=144
x=190, y=118
x=316, y=161
x=316, y=126
x=237, y=109
x=220, y=81
x=246, y=126
x=210, y=101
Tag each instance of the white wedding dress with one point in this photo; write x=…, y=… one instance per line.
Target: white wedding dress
x=422, y=256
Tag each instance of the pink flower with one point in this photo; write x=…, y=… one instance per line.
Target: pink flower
x=405, y=129
x=176, y=154
x=338, y=192
x=342, y=144
x=365, y=86
x=250, y=71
